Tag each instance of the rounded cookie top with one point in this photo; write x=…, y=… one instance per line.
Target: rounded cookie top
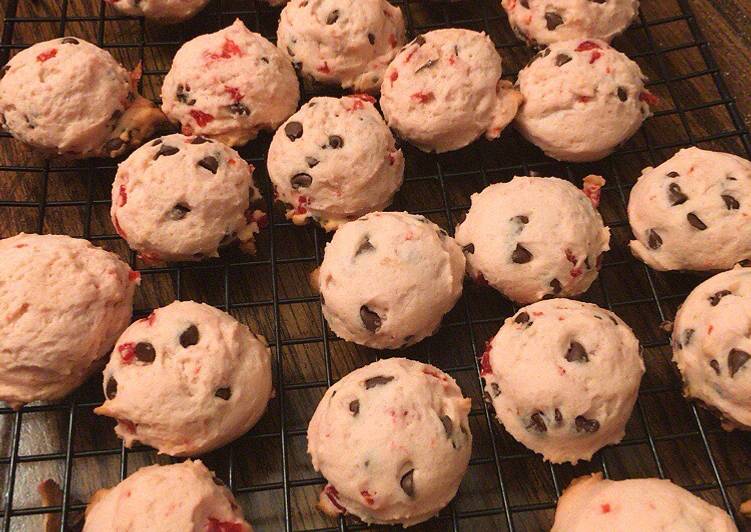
x=64, y=96
x=183, y=497
x=582, y=99
x=229, y=85
x=186, y=380
x=689, y=213
x=393, y=441
x=388, y=278
x=593, y=504
x=165, y=11
x=516, y=243
x=335, y=160
x=64, y=303
x=563, y=377
x=444, y=90
x=712, y=349
x=181, y=198
x=544, y=22
x=343, y=42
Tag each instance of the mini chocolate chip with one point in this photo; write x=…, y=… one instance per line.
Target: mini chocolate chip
x=676, y=195
x=293, y=130
x=336, y=142
x=157, y=142
x=558, y=417
x=223, y=393
x=378, y=380
x=312, y=162
x=371, y=38
x=408, y=483
x=654, y=240
x=673, y=174
x=577, y=353
x=586, y=425
x=714, y=300
x=364, y=247
x=736, y=360
x=520, y=219
x=524, y=3
x=370, y=319
x=469, y=248
x=112, y=145
x=301, y=180
x=522, y=317
x=178, y=212
x=265, y=60
x=496, y=390
x=730, y=202
x=166, y=150
x=209, y=163
x=555, y=284
x=239, y=108
x=69, y=40
x=695, y=221
x=715, y=365
x=333, y=17
x=537, y=422
x=354, y=407
x=428, y=64
x=622, y=94
x=199, y=140
x=189, y=336
x=687, y=335
x=448, y=425
x=145, y=352
x=553, y=20
x=111, y=390
x=183, y=95
x=521, y=255
x=419, y=40
x=561, y=59
x=731, y=178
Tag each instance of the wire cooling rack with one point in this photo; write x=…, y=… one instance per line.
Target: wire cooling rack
x=506, y=486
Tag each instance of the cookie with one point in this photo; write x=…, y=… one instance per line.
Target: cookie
x=388, y=278
x=64, y=302
x=69, y=97
x=341, y=42
x=711, y=346
x=582, y=99
x=541, y=22
x=164, y=11
x=444, y=90
x=186, y=380
x=229, y=85
x=594, y=504
x=181, y=198
x=515, y=242
x=690, y=212
x=392, y=440
x=335, y=160
x=563, y=376
x=182, y=497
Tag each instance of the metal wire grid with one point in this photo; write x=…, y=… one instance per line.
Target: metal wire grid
x=444, y=173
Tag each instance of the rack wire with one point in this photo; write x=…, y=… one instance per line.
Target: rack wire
x=507, y=487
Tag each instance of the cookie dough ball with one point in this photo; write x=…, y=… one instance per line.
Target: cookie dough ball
x=594, y=504
x=342, y=42
x=186, y=380
x=184, y=497
x=515, y=242
x=69, y=97
x=182, y=198
x=690, y=212
x=444, y=90
x=544, y=22
x=563, y=377
x=164, y=11
x=64, y=302
x=230, y=85
x=393, y=441
x=388, y=278
x=335, y=160
x=581, y=100
x=712, y=349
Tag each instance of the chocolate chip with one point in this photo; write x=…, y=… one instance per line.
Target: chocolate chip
x=714, y=300
x=189, y=336
x=561, y=59
x=654, y=240
x=209, y=163
x=469, y=248
x=448, y=425
x=521, y=255
x=199, y=140
x=178, y=212
x=333, y=17
x=183, y=95
x=336, y=142
x=428, y=64
x=496, y=390
x=687, y=335
x=223, y=393
x=265, y=60
x=408, y=483
x=354, y=407
x=555, y=284
x=301, y=180
x=622, y=94
x=370, y=319
x=379, y=380
x=731, y=178
x=577, y=353
x=293, y=130
x=736, y=360
x=558, y=417
x=239, y=108
x=524, y=3
x=730, y=202
x=371, y=38
x=522, y=317
x=676, y=195
x=166, y=150
x=715, y=366
x=157, y=142
x=553, y=20
x=673, y=174
x=111, y=389
x=364, y=247
x=520, y=219
x=695, y=221
x=537, y=422
x=145, y=352
x=419, y=40
x=69, y=40
x=312, y=162
x=586, y=425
